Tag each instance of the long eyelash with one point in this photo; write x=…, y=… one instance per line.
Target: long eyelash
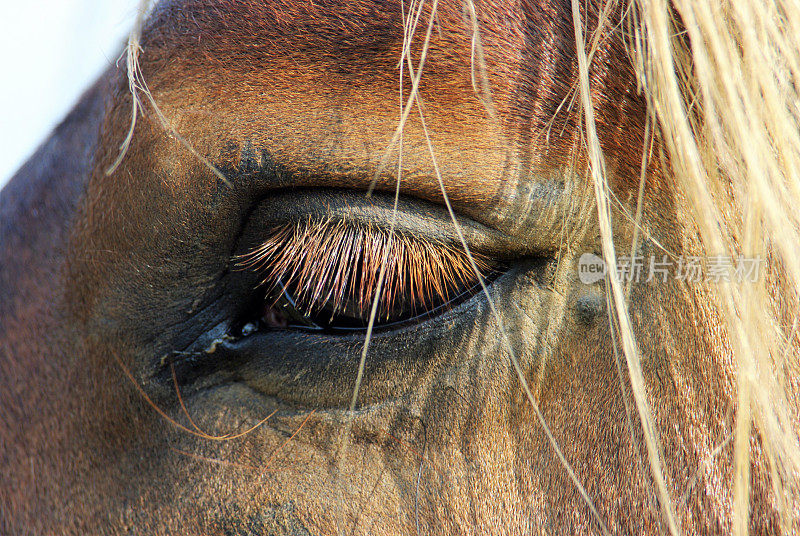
x=330, y=264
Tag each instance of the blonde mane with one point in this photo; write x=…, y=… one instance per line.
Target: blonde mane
x=722, y=82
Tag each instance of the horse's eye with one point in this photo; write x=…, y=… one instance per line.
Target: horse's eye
x=321, y=274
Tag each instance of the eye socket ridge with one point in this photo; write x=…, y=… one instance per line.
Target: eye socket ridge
x=318, y=273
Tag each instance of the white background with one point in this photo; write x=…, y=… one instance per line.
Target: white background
x=50, y=51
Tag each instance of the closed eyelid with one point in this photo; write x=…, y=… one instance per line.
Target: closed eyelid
x=336, y=265
x=414, y=217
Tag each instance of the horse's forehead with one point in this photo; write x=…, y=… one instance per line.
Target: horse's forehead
x=319, y=85
x=340, y=42
x=341, y=28
x=287, y=76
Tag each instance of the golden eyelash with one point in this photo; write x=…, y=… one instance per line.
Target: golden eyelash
x=336, y=265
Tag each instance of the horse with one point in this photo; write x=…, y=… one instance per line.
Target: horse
x=397, y=267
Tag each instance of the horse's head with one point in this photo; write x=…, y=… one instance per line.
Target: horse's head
x=347, y=269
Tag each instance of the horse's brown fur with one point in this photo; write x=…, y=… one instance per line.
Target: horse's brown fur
x=107, y=274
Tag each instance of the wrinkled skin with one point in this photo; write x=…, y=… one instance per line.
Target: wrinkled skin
x=105, y=279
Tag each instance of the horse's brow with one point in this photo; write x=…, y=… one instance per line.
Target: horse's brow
x=469, y=178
